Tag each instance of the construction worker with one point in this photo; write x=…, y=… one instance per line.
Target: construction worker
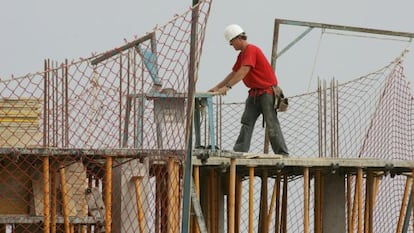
x=257, y=74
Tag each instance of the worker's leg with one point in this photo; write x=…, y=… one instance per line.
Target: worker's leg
x=248, y=120
x=275, y=132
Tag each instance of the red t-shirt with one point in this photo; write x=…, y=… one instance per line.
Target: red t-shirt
x=261, y=75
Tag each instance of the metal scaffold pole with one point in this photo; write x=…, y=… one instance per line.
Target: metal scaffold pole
x=190, y=107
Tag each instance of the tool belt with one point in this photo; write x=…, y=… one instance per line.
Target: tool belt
x=260, y=91
x=281, y=103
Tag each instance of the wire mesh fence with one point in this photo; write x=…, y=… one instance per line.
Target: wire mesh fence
x=98, y=144
x=367, y=118
x=371, y=114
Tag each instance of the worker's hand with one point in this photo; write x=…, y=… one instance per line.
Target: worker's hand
x=214, y=89
x=222, y=90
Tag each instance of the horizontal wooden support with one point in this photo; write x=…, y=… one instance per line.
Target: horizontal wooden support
x=298, y=163
x=344, y=28
x=25, y=219
x=90, y=153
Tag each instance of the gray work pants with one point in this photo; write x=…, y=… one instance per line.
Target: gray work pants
x=256, y=105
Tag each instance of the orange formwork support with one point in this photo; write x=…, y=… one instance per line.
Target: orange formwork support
x=232, y=191
x=404, y=204
x=306, y=199
x=278, y=214
x=239, y=193
x=275, y=195
x=173, y=196
x=64, y=199
x=358, y=191
x=251, y=198
x=369, y=202
x=196, y=172
x=46, y=194
x=53, y=203
x=263, y=203
x=159, y=184
x=354, y=205
x=140, y=210
x=108, y=194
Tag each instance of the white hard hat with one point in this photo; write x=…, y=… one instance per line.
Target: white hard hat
x=232, y=31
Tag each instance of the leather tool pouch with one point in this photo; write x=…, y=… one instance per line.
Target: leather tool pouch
x=281, y=102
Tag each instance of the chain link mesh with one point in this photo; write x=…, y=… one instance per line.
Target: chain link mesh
x=368, y=118
x=101, y=141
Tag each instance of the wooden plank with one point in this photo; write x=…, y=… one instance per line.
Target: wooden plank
x=27, y=219
x=19, y=122
x=20, y=102
x=29, y=124
x=311, y=162
x=173, y=195
x=19, y=112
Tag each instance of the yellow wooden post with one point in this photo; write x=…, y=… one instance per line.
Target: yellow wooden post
x=173, y=196
x=53, y=204
x=404, y=204
x=46, y=194
x=108, y=195
x=272, y=205
x=359, y=194
x=306, y=199
x=277, y=216
x=239, y=193
x=196, y=173
x=232, y=187
x=140, y=211
x=263, y=203
x=371, y=202
x=251, y=198
x=355, y=204
x=64, y=199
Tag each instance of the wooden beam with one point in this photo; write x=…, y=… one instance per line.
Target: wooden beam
x=344, y=28
x=232, y=187
x=251, y=199
x=108, y=194
x=119, y=50
x=359, y=195
x=46, y=194
x=306, y=199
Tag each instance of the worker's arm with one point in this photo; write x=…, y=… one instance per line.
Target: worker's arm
x=222, y=83
x=231, y=79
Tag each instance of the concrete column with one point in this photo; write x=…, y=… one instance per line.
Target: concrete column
x=333, y=210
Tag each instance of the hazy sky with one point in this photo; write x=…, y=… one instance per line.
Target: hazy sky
x=34, y=30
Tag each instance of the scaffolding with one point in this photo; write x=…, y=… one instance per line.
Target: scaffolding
x=105, y=144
